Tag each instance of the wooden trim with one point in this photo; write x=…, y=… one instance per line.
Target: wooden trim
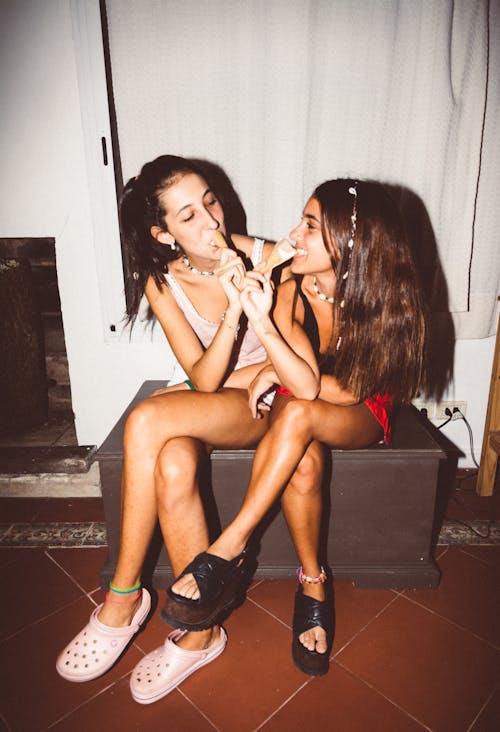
x=489, y=455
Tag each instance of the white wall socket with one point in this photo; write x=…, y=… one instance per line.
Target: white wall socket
x=442, y=406
x=430, y=407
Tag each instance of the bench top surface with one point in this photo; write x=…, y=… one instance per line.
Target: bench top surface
x=411, y=436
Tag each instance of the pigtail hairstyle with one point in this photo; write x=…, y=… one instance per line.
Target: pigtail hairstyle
x=140, y=209
x=379, y=326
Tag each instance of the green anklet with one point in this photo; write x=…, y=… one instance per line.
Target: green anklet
x=127, y=591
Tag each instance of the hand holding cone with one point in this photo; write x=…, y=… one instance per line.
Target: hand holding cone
x=282, y=251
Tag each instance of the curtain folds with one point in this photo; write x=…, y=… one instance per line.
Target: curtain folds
x=284, y=96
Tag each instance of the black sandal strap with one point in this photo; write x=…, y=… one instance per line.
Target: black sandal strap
x=309, y=613
x=212, y=574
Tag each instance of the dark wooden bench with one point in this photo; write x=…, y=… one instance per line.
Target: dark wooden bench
x=378, y=518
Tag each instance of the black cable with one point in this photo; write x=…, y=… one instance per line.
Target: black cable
x=471, y=436
x=440, y=427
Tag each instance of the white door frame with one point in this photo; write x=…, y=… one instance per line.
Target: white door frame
x=91, y=73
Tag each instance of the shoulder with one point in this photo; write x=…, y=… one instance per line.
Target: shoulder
x=155, y=293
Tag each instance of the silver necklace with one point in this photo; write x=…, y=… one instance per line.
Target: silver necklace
x=203, y=273
x=320, y=294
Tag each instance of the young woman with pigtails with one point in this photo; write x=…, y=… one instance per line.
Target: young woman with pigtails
x=172, y=222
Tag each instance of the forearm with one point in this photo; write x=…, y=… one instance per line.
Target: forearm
x=332, y=392
x=242, y=378
x=292, y=370
x=209, y=371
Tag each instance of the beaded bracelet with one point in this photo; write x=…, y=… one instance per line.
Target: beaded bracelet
x=235, y=328
x=322, y=577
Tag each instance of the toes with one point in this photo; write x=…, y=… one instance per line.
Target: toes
x=186, y=587
x=314, y=640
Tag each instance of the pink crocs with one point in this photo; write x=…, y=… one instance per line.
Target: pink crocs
x=97, y=647
x=162, y=670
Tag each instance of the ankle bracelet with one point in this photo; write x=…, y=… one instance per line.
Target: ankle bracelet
x=319, y=580
x=120, y=591
x=130, y=599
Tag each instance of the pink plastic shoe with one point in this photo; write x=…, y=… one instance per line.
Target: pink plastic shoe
x=162, y=670
x=97, y=647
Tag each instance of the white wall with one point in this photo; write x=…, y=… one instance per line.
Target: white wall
x=45, y=191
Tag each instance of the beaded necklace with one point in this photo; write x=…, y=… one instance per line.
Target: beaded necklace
x=203, y=273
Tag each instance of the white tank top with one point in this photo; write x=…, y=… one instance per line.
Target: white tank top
x=250, y=350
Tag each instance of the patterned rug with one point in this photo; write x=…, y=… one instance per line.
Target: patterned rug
x=93, y=534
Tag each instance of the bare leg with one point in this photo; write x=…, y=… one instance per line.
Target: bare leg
x=297, y=423
x=302, y=505
x=182, y=517
x=223, y=418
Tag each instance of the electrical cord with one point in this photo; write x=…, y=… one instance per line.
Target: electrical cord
x=456, y=410
x=470, y=528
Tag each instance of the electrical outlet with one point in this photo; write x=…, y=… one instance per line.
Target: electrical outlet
x=429, y=407
x=440, y=410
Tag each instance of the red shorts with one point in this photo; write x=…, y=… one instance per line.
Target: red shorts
x=380, y=405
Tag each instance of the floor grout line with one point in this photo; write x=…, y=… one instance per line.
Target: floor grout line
x=195, y=706
x=82, y=704
x=378, y=614
x=261, y=607
x=283, y=704
x=490, y=697
x=452, y=622
x=59, y=566
x=380, y=693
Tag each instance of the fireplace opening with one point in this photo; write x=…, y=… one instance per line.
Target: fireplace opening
x=34, y=328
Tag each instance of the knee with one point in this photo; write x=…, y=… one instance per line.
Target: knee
x=176, y=477
x=294, y=415
x=309, y=472
x=139, y=425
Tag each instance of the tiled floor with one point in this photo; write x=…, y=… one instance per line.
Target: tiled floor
x=413, y=660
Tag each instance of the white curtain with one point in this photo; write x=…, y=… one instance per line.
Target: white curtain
x=283, y=95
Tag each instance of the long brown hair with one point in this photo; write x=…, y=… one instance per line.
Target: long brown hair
x=379, y=324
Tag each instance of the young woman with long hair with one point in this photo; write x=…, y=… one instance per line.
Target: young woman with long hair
x=356, y=294
x=170, y=219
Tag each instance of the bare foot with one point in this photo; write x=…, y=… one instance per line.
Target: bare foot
x=186, y=587
x=315, y=638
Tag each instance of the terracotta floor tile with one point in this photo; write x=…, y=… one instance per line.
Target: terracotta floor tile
x=488, y=720
x=439, y=673
x=11, y=554
x=33, y=694
x=252, y=678
x=49, y=588
x=469, y=594
x=69, y=510
x=116, y=710
x=276, y=596
x=488, y=554
x=17, y=510
x=82, y=564
x=353, y=608
x=340, y=701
